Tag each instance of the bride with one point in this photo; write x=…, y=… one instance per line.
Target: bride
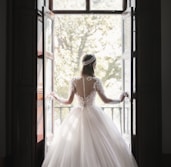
x=87, y=137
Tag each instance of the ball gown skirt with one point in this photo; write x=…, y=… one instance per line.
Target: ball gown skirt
x=88, y=138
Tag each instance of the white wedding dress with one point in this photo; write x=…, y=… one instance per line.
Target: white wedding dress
x=88, y=137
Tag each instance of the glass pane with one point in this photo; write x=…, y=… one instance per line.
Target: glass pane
x=106, y=5
x=40, y=134
x=39, y=100
x=134, y=117
x=48, y=42
x=48, y=76
x=48, y=101
x=127, y=75
x=69, y=5
x=40, y=3
x=127, y=51
x=39, y=37
x=76, y=35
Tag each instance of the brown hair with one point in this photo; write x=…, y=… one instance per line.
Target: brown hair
x=88, y=69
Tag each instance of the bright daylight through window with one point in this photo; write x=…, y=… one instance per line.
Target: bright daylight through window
x=75, y=28
x=94, y=5
x=101, y=35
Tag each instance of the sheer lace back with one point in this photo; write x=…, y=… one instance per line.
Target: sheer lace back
x=85, y=89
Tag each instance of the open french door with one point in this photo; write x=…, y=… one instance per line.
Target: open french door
x=48, y=66
x=129, y=76
x=45, y=66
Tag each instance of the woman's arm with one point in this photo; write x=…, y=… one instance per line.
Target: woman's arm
x=70, y=98
x=104, y=98
x=112, y=101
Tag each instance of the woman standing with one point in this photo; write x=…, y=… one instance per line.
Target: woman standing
x=87, y=137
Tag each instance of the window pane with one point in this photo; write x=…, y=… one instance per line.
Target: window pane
x=106, y=4
x=48, y=34
x=39, y=100
x=48, y=101
x=77, y=35
x=69, y=5
x=40, y=134
x=40, y=3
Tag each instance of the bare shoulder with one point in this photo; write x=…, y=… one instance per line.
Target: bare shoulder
x=75, y=79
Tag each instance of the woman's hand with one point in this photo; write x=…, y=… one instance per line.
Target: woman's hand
x=51, y=95
x=123, y=95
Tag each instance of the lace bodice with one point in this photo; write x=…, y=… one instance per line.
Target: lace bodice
x=87, y=100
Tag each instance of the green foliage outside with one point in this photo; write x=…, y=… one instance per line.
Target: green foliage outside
x=101, y=35
x=77, y=35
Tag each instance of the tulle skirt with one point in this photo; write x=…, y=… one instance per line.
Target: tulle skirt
x=88, y=138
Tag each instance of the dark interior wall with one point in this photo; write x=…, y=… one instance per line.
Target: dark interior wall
x=166, y=76
x=149, y=82
x=3, y=78
x=22, y=67
x=148, y=85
